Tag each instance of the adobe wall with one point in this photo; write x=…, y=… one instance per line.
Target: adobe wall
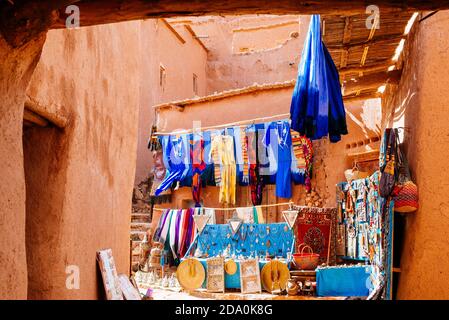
x=273, y=55
x=330, y=160
x=160, y=46
x=16, y=68
x=79, y=180
x=420, y=104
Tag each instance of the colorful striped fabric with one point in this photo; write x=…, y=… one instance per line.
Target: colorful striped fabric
x=244, y=143
x=302, y=149
x=216, y=161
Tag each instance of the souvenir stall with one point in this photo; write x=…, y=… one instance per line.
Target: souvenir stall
x=344, y=251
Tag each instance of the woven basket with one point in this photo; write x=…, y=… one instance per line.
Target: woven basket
x=305, y=261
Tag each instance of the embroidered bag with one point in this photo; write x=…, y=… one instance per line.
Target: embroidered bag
x=405, y=191
x=388, y=171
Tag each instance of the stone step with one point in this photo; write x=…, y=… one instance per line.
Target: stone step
x=140, y=226
x=141, y=217
x=137, y=235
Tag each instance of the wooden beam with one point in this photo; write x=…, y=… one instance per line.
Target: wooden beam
x=365, y=69
x=58, y=118
x=108, y=11
x=372, y=81
x=31, y=117
x=363, y=96
x=346, y=39
x=360, y=44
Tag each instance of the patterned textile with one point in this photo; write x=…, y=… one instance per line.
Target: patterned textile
x=303, y=150
x=368, y=219
x=316, y=227
x=256, y=239
x=387, y=257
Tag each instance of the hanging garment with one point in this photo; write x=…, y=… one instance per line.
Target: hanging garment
x=278, y=138
x=159, y=172
x=337, y=115
x=255, y=178
x=182, y=233
x=223, y=146
x=198, y=166
x=165, y=227
x=160, y=227
x=316, y=108
x=172, y=233
x=176, y=160
x=241, y=155
x=215, y=156
x=189, y=225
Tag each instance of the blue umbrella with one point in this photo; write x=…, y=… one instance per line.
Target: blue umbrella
x=317, y=108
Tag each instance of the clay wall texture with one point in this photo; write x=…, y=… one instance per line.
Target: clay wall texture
x=79, y=180
x=16, y=68
x=272, y=56
x=420, y=105
x=160, y=46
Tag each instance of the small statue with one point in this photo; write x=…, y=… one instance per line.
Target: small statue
x=171, y=281
x=292, y=287
x=165, y=282
x=151, y=278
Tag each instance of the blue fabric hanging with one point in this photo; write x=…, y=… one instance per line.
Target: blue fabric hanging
x=317, y=107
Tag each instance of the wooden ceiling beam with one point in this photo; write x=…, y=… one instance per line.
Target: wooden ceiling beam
x=362, y=96
x=372, y=81
x=346, y=39
x=360, y=44
x=365, y=69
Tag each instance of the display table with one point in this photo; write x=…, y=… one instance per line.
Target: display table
x=231, y=281
x=273, y=239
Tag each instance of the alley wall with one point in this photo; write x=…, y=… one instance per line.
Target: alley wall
x=419, y=104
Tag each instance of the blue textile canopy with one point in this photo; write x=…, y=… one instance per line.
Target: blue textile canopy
x=317, y=108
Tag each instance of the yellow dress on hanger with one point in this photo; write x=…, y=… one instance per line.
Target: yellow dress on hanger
x=223, y=146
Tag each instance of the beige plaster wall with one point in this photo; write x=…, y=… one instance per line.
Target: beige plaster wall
x=420, y=104
x=16, y=68
x=275, y=58
x=79, y=180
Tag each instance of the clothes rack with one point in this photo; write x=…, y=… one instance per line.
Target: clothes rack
x=232, y=124
x=234, y=208
x=294, y=207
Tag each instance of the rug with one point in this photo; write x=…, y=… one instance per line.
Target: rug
x=316, y=227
